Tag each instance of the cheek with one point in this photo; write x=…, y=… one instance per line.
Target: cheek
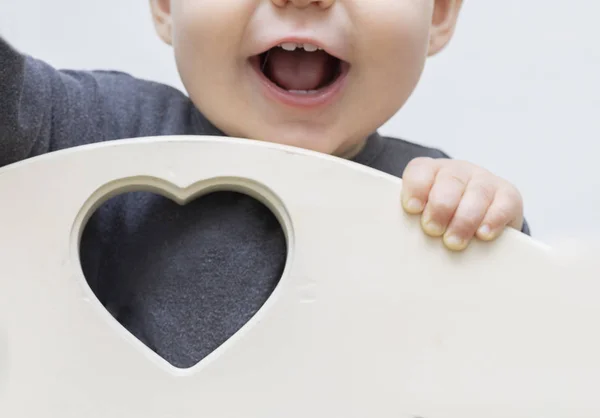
x=394, y=40
x=209, y=30
x=206, y=40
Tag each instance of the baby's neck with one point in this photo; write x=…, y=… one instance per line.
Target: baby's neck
x=352, y=151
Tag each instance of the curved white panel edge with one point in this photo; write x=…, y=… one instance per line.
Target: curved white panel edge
x=372, y=320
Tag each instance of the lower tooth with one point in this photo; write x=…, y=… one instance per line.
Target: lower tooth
x=302, y=91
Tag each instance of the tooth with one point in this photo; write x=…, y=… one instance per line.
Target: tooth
x=310, y=48
x=288, y=46
x=302, y=91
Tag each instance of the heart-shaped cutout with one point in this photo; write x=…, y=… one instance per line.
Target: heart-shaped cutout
x=184, y=278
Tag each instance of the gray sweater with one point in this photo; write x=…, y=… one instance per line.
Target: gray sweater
x=181, y=279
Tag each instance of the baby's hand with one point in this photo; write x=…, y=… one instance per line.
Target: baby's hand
x=459, y=200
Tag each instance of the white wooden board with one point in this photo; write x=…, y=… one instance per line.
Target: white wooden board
x=371, y=317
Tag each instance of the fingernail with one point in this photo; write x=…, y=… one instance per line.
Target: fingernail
x=433, y=228
x=485, y=232
x=414, y=205
x=454, y=242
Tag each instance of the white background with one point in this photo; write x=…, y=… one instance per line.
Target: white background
x=517, y=91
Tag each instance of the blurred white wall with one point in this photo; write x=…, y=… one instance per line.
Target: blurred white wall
x=517, y=91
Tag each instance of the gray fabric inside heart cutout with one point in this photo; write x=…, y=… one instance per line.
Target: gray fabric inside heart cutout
x=183, y=279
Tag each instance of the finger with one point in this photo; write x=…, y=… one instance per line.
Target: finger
x=469, y=215
x=443, y=201
x=505, y=210
x=417, y=179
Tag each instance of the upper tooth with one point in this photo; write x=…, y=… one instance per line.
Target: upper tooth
x=288, y=46
x=310, y=48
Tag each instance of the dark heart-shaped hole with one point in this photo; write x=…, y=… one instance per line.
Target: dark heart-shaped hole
x=183, y=279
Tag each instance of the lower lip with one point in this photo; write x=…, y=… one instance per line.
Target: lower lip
x=320, y=98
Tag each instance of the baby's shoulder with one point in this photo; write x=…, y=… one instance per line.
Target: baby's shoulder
x=394, y=154
x=122, y=84
x=412, y=149
x=134, y=106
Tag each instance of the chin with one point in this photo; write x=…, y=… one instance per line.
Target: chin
x=306, y=135
x=310, y=141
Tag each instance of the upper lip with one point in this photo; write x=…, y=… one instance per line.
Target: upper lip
x=325, y=46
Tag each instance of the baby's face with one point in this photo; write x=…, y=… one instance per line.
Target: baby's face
x=320, y=75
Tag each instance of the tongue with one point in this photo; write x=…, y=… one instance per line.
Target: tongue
x=299, y=70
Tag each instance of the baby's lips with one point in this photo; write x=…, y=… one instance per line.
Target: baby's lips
x=335, y=49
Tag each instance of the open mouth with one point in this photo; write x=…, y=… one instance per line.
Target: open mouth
x=300, y=69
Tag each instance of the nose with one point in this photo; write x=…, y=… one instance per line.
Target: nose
x=301, y=4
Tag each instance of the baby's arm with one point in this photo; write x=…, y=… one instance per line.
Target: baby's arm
x=43, y=109
x=24, y=110
x=38, y=107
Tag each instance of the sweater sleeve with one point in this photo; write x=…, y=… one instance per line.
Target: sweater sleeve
x=25, y=108
x=43, y=109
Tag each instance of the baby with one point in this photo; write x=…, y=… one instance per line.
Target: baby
x=322, y=75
